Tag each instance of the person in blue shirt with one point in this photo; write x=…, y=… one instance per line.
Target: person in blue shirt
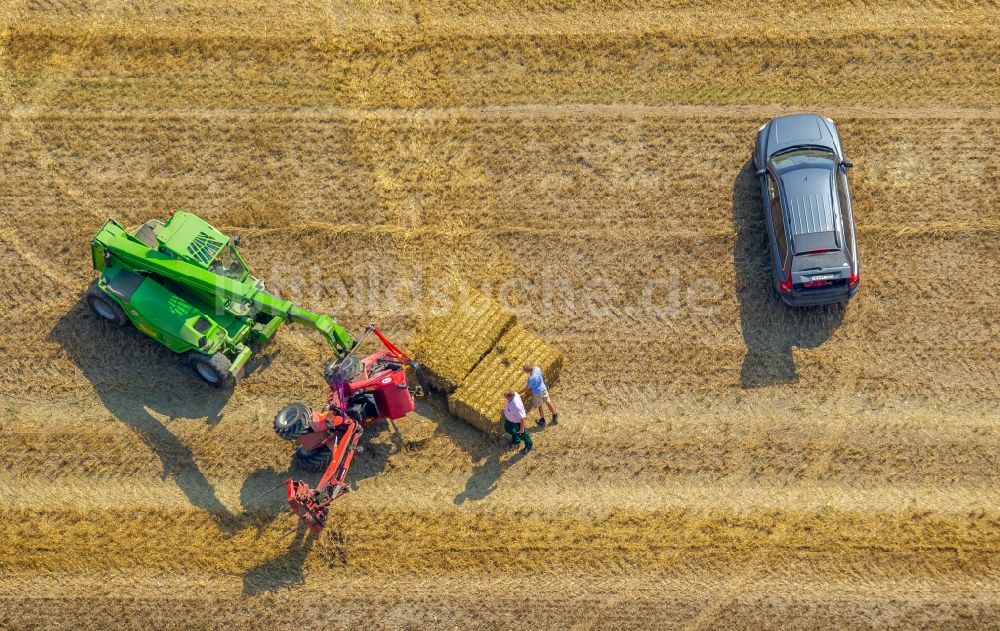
x=539, y=394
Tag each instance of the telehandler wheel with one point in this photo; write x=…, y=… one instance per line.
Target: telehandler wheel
x=292, y=421
x=212, y=369
x=105, y=308
x=316, y=460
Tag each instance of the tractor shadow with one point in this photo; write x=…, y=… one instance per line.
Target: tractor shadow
x=287, y=570
x=283, y=571
x=771, y=329
x=262, y=498
x=136, y=377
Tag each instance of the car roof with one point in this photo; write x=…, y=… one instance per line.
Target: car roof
x=813, y=212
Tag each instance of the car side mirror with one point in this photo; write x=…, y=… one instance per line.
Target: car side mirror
x=236, y=240
x=847, y=165
x=761, y=173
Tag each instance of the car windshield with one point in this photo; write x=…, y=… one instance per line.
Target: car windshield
x=228, y=264
x=798, y=157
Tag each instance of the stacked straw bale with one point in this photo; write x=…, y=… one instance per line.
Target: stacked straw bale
x=479, y=398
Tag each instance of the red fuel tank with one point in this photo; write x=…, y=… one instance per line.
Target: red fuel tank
x=392, y=396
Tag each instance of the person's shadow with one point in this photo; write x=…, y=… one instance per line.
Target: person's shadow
x=488, y=453
x=486, y=474
x=133, y=376
x=771, y=329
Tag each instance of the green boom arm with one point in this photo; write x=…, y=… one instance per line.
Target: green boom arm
x=112, y=246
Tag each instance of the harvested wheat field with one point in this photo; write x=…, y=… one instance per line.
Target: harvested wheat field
x=721, y=462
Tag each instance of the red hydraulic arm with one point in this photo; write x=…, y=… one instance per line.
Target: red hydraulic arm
x=312, y=505
x=392, y=348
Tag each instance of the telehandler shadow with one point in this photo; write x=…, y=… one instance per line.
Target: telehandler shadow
x=134, y=377
x=771, y=329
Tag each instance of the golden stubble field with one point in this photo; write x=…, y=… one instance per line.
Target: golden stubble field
x=722, y=462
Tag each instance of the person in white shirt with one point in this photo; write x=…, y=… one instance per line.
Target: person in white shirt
x=513, y=420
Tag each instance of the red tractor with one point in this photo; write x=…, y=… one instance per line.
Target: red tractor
x=362, y=392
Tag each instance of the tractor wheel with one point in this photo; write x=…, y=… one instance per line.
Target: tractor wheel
x=105, y=308
x=212, y=369
x=348, y=370
x=292, y=421
x=316, y=460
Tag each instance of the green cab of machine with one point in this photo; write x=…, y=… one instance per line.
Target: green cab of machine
x=184, y=283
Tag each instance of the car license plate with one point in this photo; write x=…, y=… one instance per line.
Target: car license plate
x=823, y=277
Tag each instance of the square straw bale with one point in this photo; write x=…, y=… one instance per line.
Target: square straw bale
x=450, y=345
x=479, y=398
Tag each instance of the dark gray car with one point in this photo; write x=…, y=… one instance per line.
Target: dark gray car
x=800, y=163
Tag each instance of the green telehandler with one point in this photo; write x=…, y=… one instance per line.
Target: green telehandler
x=183, y=283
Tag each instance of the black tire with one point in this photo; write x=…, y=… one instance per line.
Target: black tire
x=313, y=461
x=212, y=369
x=105, y=307
x=362, y=408
x=292, y=421
x=349, y=368
x=418, y=370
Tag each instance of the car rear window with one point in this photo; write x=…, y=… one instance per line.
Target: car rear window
x=818, y=260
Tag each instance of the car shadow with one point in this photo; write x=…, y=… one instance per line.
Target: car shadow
x=135, y=377
x=771, y=329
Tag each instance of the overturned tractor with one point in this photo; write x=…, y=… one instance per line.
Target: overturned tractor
x=362, y=392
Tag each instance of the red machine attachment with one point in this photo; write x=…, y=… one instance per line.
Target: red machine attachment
x=362, y=392
x=312, y=505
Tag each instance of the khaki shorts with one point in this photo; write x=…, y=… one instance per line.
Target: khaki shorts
x=539, y=400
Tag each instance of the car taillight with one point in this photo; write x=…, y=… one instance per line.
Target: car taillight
x=854, y=279
x=785, y=286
